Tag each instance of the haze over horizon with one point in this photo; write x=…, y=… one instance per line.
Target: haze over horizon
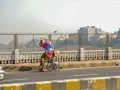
x=65, y=16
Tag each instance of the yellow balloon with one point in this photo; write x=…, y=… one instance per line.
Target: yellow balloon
x=57, y=52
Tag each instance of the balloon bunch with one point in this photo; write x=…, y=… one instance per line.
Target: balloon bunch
x=46, y=44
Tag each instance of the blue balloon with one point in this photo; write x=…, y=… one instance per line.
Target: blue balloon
x=48, y=47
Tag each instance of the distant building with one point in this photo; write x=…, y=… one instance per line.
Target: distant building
x=116, y=35
x=90, y=30
x=90, y=33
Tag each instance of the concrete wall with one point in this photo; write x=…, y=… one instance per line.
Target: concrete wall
x=101, y=83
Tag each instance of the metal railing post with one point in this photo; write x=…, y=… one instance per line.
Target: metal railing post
x=65, y=44
x=15, y=41
x=33, y=42
x=16, y=51
x=107, y=45
x=80, y=47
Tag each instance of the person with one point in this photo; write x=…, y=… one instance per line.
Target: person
x=48, y=54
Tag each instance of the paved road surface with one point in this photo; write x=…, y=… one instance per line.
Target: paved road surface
x=33, y=76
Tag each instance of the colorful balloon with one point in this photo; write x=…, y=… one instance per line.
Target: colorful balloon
x=47, y=45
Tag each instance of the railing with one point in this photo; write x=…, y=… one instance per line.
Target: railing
x=68, y=56
x=64, y=56
x=116, y=54
x=94, y=54
x=29, y=57
x=6, y=58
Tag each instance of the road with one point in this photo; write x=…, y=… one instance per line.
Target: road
x=34, y=76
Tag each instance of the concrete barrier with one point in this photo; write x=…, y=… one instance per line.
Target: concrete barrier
x=101, y=83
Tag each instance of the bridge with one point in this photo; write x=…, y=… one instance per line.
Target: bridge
x=23, y=48
x=17, y=56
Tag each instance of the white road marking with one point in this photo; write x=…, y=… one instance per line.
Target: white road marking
x=85, y=75
x=13, y=80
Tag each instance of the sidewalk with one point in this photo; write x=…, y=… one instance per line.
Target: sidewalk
x=63, y=65
x=94, y=63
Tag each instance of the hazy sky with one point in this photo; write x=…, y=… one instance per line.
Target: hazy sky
x=45, y=16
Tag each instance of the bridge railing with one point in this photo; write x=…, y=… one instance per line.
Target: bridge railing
x=6, y=57
x=64, y=56
x=29, y=57
x=116, y=54
x=68, y=56
x=94, y=55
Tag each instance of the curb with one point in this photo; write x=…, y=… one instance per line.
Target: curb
x=101, y=83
